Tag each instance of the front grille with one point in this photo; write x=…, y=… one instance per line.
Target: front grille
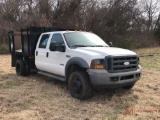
x=121, y=63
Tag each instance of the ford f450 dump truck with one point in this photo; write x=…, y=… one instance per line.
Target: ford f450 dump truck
x=82, y=59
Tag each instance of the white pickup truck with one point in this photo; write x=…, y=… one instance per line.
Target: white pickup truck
x=82, y=59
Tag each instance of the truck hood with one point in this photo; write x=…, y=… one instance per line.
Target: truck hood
x=104, y=51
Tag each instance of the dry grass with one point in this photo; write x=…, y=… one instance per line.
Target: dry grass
x=39, y=98
x=150, y=58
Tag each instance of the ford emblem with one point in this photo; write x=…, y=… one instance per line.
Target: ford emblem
x=126, y=63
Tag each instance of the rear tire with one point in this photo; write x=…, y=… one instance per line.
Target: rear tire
x=128, y=86
x=79, y=85
x=27, y=68
x=20, y=68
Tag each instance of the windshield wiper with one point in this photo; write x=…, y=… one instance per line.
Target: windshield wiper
x=100, y=46
x=79, y=46
x=88, y=46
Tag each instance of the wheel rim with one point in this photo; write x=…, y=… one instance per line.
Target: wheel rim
x=77, y=86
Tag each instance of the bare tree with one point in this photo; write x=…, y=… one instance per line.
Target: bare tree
x=113, y=20
x=149, y=9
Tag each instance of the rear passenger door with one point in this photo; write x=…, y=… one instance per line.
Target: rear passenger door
x=41, y=52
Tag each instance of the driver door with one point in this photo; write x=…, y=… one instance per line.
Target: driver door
x=56, y=59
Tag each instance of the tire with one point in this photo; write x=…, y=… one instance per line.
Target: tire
x=128, y=86
x=20, y=68
x=79, y=85
x=27, y=68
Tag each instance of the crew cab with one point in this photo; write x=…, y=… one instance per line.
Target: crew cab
x=82, y=59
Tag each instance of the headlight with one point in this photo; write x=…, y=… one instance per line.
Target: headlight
x=97, y=64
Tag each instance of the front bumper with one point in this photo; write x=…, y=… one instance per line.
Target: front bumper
x=101, y=78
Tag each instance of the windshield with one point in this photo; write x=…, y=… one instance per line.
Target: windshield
x=84, y=39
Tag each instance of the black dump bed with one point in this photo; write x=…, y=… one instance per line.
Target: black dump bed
x=24, y=42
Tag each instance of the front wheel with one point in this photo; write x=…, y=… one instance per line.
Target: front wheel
x=79, y=85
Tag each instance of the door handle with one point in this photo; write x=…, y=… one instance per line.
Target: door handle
x=47, y=54
x=36, y=53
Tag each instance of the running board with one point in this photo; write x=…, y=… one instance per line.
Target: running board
x=52, y=75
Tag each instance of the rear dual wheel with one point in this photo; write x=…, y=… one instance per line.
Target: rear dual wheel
x=22, y=68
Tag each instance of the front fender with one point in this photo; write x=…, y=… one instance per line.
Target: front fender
x=76, y=60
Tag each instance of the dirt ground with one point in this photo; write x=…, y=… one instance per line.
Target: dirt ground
x=41, y=98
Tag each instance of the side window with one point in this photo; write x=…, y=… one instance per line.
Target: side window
x=44, y=41
x=57, y=39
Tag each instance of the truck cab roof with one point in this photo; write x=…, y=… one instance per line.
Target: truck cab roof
x=62, y=32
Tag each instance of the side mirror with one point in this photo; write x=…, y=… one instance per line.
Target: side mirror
x=60, y=48
x=52, y=47
x=110, y=44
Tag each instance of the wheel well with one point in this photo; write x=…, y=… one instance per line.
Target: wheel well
x=72, y=68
